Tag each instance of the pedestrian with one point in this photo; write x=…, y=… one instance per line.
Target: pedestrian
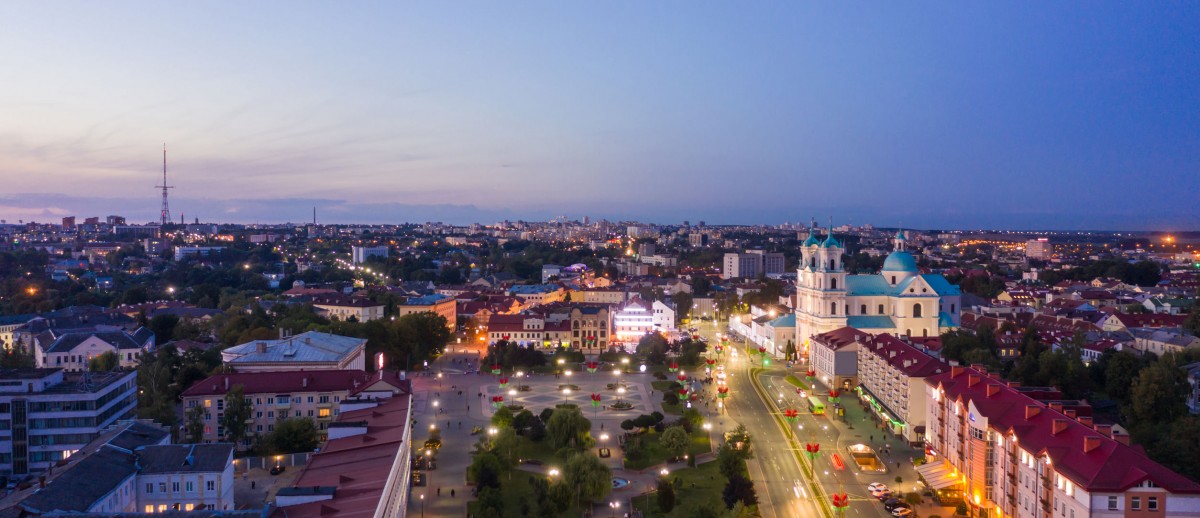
x=439, y=491
x=451, y=493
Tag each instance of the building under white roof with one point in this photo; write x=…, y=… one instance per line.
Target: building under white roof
x=305, y=351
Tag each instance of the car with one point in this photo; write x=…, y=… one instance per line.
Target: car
x=882, y=494
x=892, y=503
x=277, y=469
x=876, y=486
x=902, y=512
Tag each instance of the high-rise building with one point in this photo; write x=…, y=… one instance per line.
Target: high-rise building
x=68, y=223
x=742, y=266
x=361, y=253
x=1039, y=249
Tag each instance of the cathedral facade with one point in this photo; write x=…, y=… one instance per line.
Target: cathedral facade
x=899, y=300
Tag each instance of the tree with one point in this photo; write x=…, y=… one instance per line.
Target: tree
x=789, y=351
x=104, y=362
x=1119, y=372
x=295, y=435
x=1192, y=324
x=675, y=440
x=485, y=470
x=193, y=427
x=589, y=477
x=164, y=327
x=1158, y=393
x=17, y=357
x=568, y=427
x=502, y=417
x=666, y=495
x=237, y=412
x=739, y=489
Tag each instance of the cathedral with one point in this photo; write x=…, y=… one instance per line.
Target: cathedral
x=899, y=299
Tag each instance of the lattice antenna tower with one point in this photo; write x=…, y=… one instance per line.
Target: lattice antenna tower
x=166, y=207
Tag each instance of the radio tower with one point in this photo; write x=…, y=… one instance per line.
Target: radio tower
x=166, y=209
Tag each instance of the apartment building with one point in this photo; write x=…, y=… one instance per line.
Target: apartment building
x=340, y=307
x=1007, y=454
x=359, y=254
x=72, y=351
x=46, y=415
x=274, y=396
x=834, y=356
x=436, y=304
x=891, y=380
x=529, y=330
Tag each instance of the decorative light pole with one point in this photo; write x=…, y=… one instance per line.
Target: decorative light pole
x=503, y=383
x=672, y=367
x=812, y=448
x=595, y=404
x=497, y=402
x=763, y=352
x=722, y=393
x=835, y=396
x=840, y=501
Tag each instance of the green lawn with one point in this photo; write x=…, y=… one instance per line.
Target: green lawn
x=795, y=381
x=541, y=451
x=701, y=485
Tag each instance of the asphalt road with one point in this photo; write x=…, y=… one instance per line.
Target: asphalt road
x=782, y=486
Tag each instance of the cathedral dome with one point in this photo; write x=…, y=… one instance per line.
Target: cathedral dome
x=812, y=240
x=900, y=261
x=830, y=242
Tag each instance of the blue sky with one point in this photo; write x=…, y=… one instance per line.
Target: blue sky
x=977, y=114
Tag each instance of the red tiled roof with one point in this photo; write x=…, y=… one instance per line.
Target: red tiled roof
x=280, y=382
x=905, y=358
x=1109, y=466
x=839, y=338
x=1150, y=320
x=358, y=466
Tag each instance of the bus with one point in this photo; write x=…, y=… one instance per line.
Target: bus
x=816, y=406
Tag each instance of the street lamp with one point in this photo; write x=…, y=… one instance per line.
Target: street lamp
x=566, y=392
x=620, y=390
x=553, y=472
x=614, y=506
x=422, y=505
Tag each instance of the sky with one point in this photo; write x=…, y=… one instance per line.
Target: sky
x=1008, y=115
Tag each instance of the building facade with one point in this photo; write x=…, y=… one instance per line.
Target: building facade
x=1005, y=454
x=306, y=351
x=891, y=380
x=51, y=414
x=436, y=304
x=899, y=300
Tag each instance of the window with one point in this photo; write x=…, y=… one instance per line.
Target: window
x=189, y=486
x=881, y=309
x=150, y=488
x=952, y=309
x=833, y=284
x=189, y=507
x=1136, y=503
x=324, y=412
x=175, y=486
x=833, y=308
x=162, y=508
x=1152, y=503
x=149, y=509
x=162, y=487
x=893, y=279
x=207, y=403
x=863, y=309
x=310, y=399
x=916, y=310
x=210, y=485
x=220, y=404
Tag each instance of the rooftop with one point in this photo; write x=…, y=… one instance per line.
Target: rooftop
x=309, y=347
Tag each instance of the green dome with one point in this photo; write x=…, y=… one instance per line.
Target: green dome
x=830, y=242
x=812, y=240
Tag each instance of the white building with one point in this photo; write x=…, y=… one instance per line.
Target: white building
x=633, y=320
x=359, y=254
x=898, y=300
x=51, y=414
x=664, y=316
x=833, y=357
x=72, y=351
x=185, y=477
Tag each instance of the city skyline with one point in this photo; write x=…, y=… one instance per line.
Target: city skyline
x=973, y=117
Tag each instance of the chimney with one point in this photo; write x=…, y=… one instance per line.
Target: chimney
x=1056, y=406
x=1058, y=425
x=1104, y=429
x=972, y=380
x=261, y=347
x=1085, y=419
x=992, y=389
x=955, y=370
x=1069, y=412
x=1121, y=438
x=304, y=382
x=226, y=383
x=1014, y=384
x=1032, y=410
x=1090, y=442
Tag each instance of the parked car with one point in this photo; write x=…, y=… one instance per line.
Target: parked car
x=277, y=469
x=893, y=503
x=902, y=512
x=883, y=494
x=875, y=486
